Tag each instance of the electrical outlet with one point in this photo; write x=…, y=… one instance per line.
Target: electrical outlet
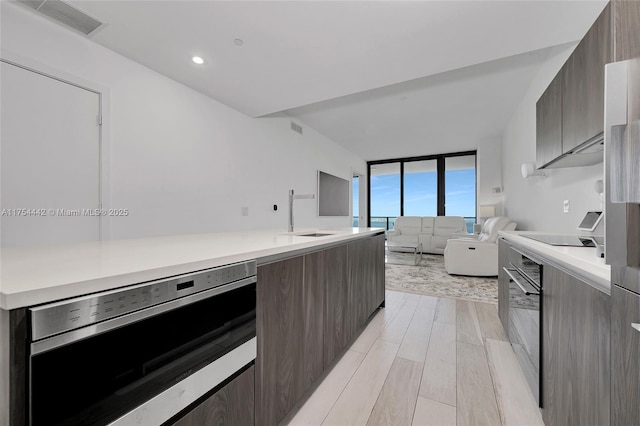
x=565, y=206
x=245, y=211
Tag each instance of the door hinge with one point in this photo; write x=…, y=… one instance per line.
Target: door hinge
x=100, y=120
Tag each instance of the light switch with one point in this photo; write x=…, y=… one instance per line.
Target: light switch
x=565, y=206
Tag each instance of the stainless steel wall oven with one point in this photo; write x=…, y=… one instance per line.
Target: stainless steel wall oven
x=140, y=354
x=525, y=317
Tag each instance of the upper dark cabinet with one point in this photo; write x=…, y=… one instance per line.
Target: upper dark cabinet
x=627, y=29
x=571, y=110
x=583, y=84
x=549, y=123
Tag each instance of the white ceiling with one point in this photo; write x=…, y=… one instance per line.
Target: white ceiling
x=449, y=112
x=462, y=65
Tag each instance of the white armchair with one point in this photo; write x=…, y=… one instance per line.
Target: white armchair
x=477, y=256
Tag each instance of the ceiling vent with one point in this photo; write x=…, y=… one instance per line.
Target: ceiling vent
x=296, y=127
x=65, y=14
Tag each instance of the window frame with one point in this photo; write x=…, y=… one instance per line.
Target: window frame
x=440, y=161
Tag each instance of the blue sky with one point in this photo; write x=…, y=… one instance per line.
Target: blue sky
x=421, y=194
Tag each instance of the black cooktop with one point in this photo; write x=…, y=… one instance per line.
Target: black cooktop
x=563, y=240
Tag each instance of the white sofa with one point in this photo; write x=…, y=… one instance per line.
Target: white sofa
x=432, y=232
x=477, y=256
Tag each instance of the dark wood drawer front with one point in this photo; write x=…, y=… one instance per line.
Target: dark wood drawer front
x=233, y=405
x=625, y=354
x=576, y=362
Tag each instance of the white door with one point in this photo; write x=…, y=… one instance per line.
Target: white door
x=49, y=160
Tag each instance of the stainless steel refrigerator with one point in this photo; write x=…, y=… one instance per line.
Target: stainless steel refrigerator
x=622, y=229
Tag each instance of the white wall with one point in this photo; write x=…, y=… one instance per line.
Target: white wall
x=536, y=203
x=180, y=161
x=489, y=163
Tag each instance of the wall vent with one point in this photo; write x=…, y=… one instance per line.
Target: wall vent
x=296, y=127
x=65, y=14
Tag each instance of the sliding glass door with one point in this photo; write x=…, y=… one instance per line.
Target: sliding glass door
x=435, y=185
x=460, y=188
x=420, y=188
x=384, y=195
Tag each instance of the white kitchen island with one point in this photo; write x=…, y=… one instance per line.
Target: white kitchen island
x=33, y=276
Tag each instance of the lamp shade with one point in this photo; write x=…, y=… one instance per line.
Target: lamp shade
x=487, y=211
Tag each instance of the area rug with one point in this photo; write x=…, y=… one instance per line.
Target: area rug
x=430, y=278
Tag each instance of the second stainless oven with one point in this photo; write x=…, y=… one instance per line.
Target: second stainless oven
x=140, y=354
x=525, y=317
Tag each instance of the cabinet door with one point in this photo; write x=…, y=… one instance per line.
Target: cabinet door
x=627, y=29
x=503, y=284
x=625, y=354
x=583, y=84
x=377, y=250
x=232, y=405
x=288, y=323
x=549, y=123
x=575, y=351
x=358, y=276
x=366, y=279
x=337, y=322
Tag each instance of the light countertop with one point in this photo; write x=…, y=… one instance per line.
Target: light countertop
x=31, y=276
x=581, y=261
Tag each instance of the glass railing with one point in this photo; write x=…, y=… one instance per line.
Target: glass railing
x=388, y=222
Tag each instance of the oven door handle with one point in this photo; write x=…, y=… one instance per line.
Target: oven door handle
x=510, y=272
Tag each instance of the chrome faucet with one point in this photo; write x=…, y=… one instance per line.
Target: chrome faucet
x=296, y=197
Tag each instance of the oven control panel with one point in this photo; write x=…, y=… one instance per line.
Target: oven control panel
x=54, y=318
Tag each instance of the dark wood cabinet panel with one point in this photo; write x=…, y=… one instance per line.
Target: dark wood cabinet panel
x=583, y=84
x=576, y=351
x=337, y=323
x=366, y=278
x=309, y=309
x=377, y=249
x=357, y=272
x=233, y=405
x=625, y=357
x=280, y=333
x=549, y=123
x=313, y=305
x=627, y=29
x=503, y=284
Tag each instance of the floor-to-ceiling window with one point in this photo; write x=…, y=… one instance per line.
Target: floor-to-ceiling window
x=460, y=188
x=384, y=182
x=420, y=188
x=355, y=189
x=435, y=185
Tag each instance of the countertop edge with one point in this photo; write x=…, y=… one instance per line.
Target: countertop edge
x=596, y=275
x=37, y=296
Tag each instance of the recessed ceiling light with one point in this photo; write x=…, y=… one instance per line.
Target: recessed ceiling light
x=238, y=42
x=198, y=60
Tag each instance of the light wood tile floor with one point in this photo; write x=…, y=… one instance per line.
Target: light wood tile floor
x=424, y=361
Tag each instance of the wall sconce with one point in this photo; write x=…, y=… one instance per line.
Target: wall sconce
x=529, y=169
x=599, y=187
